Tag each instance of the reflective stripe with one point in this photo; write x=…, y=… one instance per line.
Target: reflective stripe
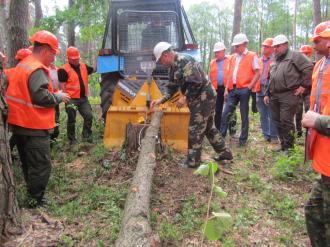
x=322, y=92
x=24, y=66
x=23, y=102
x=72, y=86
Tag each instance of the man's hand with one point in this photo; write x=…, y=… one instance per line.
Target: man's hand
x=310, y=119
x=225, y=95
x=181, y=102
x=266, y=100
x=154, y=103
x=250, y=86
x=64, y=96
x=299, y=91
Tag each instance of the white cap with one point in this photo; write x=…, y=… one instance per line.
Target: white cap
x=160, y=48
x=280, y=39
x=219, y=46
x=239, y=38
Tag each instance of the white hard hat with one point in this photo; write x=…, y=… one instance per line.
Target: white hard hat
x=280, y=39
x=160, y=48
x=239, y=38
x=219, y=46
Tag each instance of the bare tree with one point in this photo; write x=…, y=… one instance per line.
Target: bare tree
x=71, y=27
x=237, y=18
x=316, y=12
x=3, y=25
x=38, y=13
x=17, y=28
x=294, y=26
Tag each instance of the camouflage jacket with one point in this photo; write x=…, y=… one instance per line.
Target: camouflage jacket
x=187, y=75
x=322, y=125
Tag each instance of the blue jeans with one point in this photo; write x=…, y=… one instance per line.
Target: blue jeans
x=235, y=96
x=267, y=125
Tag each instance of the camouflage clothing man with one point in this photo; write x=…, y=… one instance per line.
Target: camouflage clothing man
x=187, y=75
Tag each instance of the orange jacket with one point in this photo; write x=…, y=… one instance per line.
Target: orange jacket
x=9, y=73
x=72, y=86
x=214, y=72
x=245, y=70
x=320, y=152
x=22, y=112
x=257, y=86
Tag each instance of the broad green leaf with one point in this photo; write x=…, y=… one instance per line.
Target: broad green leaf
x=217, y=225
x=203, y=170
x=214, y=167
x=219, y=191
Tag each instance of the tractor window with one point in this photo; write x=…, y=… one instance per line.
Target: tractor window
x=108, y=41
x=140, y=31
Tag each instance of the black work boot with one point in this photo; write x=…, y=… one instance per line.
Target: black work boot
x=224, y=155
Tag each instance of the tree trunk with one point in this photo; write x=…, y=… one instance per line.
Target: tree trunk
x=237, y=18
x=294, y=26
x=38, y=13
x=71, y=27
x=316, y=12
x=136, y=230
x=17, y=30
x=9, y=220
x=3, y=25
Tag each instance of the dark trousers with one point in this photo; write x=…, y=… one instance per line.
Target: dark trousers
x=56, y=132
x=254, y=102
x=317, y=213
x=236, y=96
x=34, y=153
x=219, y=106
x=283, y=107
x=303, y=105
x=85, y=110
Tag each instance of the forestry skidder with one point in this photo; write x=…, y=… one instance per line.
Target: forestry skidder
x=126, y=60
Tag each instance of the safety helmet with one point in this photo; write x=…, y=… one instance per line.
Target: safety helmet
x=239, y=38
x=319, y=29
x=268, y=42
x=326, y=32
x=160, y=48
x=45, y=37
x=22, y=53
x=72, y=53
x=280, y=39
x=306, y=49
x=219, y=46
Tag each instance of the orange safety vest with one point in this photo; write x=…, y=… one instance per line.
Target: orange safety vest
x=245, y=70
x=9, y=73
x=72, y=86
x=214, y=72
x=257, y=86
x=320, y=152
x=22, y=112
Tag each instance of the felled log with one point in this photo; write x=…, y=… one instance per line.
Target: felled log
x=136, y=230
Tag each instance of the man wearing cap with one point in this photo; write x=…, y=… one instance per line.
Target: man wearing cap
x=74, y=74
x=31, y=101
x=243, y=67
x=187, y=75
x=267, y=126
x=218, y=77
x=317, y=208
x=289, y=76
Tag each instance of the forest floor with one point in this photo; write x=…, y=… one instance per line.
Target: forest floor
x=88, y=187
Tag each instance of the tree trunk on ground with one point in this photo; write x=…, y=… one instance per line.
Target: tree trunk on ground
x=71, y=27
x=237, y=18
x=136, y=230
x=316, y=12
x=3, y=26
x=17, y=29
x=38, y=13
x=9, y=223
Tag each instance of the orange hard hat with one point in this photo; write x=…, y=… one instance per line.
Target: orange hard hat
x=72, y=53
x=306, y=49
x=319, y=29
x=268, y=42
x=45, y=37
x=22, y=53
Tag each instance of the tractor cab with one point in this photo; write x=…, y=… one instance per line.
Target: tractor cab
x=133, y=28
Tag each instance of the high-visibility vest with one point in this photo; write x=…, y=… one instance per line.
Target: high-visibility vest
x=214, y=72
x=72, y=86
x=320, y=152
x=245, y=70
x=9, y=73
x=22, y=112
x=257, y=86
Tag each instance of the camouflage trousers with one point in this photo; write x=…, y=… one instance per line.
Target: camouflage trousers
x=317, y=213
x=201, y=123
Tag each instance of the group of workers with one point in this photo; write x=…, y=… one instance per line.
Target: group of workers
x=284, y=81
x=34, y=89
